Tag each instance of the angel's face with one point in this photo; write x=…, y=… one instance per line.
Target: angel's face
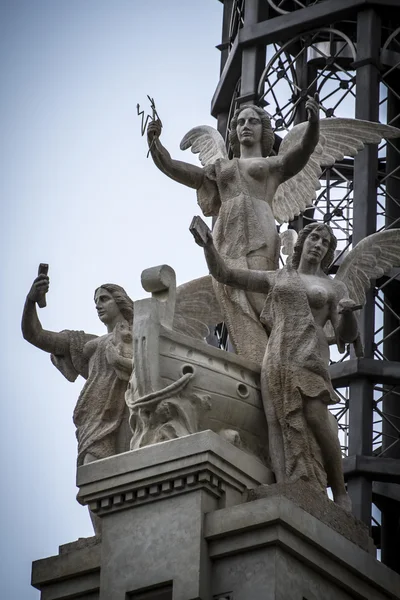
x=249, y=127
x=316, y=246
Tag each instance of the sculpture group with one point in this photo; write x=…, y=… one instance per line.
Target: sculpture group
x=281, y=320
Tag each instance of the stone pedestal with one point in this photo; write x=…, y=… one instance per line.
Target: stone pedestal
x=177, y=525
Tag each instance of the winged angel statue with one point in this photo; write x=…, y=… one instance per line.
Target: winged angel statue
x=300, y=300
x=253, y=189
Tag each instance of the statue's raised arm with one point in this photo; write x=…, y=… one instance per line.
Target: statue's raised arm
x=32, y=330
x=182, y=172
x=250, y=192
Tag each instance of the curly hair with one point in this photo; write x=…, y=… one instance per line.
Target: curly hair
x=303, y=235
x=267, y=138
x=121, y=298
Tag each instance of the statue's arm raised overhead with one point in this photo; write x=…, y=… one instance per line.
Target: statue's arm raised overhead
x=245, y=279
x=298, y=153
x=185, y=173
x=32, y=330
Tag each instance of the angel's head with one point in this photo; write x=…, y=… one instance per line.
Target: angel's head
x=250, y=124
x=319, y=242
x=113, y=304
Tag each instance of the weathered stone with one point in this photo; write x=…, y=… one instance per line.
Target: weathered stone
x=105, y=362
x=319, y=506
x=248, y=195
x=272, y=549
x=79, y=544
x=181, y=385
x=295, y=383
x=202, y=540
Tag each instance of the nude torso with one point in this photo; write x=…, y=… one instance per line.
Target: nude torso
x=321, y=296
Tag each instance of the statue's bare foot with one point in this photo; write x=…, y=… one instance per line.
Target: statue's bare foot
x=344, y=502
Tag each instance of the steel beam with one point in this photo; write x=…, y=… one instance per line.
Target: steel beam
x=230, y=75
x=380, y=371
x=390, y=519
x=364, y=223
x=285, y=27
x=373, y=468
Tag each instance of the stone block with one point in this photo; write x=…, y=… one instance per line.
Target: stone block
x=74, y=573
x=272, y=549
x=320, y=506
x=152, y=503
x=178, y=524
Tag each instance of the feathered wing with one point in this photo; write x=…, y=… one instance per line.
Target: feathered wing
x=196, y=308
x=288, y=240
x=205, y=141
x=338, y=138
x=372, y=258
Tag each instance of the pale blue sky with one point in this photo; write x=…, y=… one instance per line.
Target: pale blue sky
x=78, y=192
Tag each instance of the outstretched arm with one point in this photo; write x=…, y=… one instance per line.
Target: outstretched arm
x=297, y=157
x=32, y=330
x=182, y=172
x=245, y=279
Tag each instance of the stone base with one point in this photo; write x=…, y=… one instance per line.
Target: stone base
x=320, y=506
x=177, y=525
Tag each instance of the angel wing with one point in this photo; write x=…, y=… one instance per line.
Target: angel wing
x=338, y=138
x=205, y=141
x=196, y=308
x=372, y=258
x=288, y=240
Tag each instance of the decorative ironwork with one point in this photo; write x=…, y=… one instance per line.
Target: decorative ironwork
x=286, y=6
x=237, y=20
x=326, y=61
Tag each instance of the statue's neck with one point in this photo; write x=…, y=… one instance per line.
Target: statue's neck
x=251, y=151
x=307, y=268
x=111, y=326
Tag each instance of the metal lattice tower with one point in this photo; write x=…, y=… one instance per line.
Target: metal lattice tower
x=276, y=53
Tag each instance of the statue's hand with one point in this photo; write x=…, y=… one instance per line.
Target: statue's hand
x=153, y=131
x=39, y=288
x=347, y=306
x=112, y=354
x=201, y=232
x=312, y=108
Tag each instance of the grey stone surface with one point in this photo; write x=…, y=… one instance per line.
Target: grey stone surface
x=79, y=544
x=74, y=573
x=105, y=362
x=155, y=544
x=176, y=526
x=295, y=383
x=249, y=531
x=152, y=503
x=202, y=460
x=245, y=229
x=319, y=506
x=249, y=192
x=180, y=385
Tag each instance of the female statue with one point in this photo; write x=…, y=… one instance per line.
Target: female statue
x=295, y=383
x=239, y=193
x=252, y=190
x=105, y=362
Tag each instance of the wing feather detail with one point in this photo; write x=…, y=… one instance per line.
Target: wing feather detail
x=371, y=258
x=196, y=308
x=338, y=138
x=205, y=141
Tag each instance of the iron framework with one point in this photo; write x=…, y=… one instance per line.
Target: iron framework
x=276, y=53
